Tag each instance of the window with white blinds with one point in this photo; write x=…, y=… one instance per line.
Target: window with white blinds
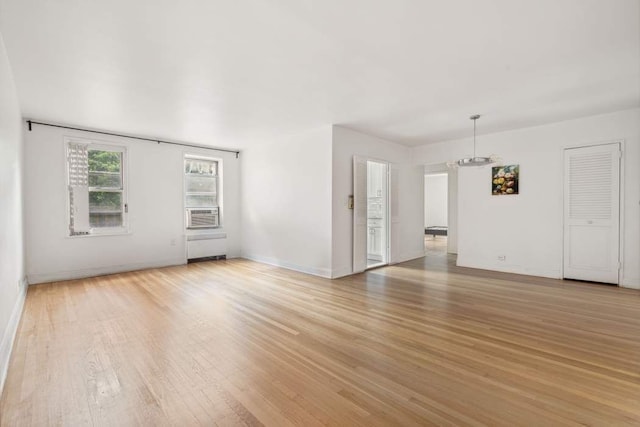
x=97, y=196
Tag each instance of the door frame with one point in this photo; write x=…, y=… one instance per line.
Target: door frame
x=621, y=203
x=452, y=200
x=387, y=221
x=387, y=212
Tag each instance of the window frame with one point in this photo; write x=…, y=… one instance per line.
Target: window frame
x=94, y=145
x=219, y=195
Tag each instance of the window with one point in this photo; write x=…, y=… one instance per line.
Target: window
x=97, y=197
x=201, y=192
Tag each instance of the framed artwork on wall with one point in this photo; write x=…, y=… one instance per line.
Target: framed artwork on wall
x=505, y=180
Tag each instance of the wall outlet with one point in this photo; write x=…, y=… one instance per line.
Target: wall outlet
x=502, y=257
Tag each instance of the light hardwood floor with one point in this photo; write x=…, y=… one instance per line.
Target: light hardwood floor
x=241, y=343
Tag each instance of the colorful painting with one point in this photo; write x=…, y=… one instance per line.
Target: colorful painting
x=505, y=179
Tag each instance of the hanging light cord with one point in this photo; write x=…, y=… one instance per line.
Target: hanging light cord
x=475, y=117
x=474, y=161
x=474, y=138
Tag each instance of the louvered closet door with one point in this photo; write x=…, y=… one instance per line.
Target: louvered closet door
x=592, y=213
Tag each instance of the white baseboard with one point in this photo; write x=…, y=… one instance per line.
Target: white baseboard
x=101, y=271
x=515, y=269
x=631, y=283
x=341, y=272
x=409, y=257
x=347, y=271
x=9, y=334
x=314, y=271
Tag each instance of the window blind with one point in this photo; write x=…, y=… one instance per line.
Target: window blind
x=590, y=186
x=78, y=171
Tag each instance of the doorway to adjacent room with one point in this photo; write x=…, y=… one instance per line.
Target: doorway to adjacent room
x=377, y=215
x=436, y=221
x=371, y=217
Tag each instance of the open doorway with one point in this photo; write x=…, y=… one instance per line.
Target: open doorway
x=373, y=181
x=440, y=209
x=377, y=214
x=436, y=216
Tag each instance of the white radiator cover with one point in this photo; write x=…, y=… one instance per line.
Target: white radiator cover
x=206, y=245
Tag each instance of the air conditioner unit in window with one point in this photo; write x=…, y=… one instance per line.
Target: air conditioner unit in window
x=202, y=218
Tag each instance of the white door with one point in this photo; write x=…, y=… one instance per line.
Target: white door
x=394, y=213
x=359, y=214
x=592, y=213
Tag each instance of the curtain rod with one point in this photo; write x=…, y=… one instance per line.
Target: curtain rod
x=32, y=122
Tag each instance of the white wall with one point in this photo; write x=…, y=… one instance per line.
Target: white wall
x=155, y=185
x=452, y=211
x=348, y=143
x=295, y=193
x=435, y=200
x=286, y=202
x=12, y=270
x=527, y=228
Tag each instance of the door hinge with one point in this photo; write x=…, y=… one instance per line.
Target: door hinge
x=126, y=208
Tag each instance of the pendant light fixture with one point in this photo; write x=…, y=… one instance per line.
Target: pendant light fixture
x=475, y=160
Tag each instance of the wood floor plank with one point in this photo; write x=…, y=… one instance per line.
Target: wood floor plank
x=241, y=343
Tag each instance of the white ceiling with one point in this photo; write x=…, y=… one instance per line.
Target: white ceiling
x=239, y=72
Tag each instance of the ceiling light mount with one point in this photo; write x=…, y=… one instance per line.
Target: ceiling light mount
x=475, y=160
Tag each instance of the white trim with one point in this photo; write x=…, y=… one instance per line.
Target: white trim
x=346, y=271
x=188, y=154
x=343, y=272
x=621, y=209
x=9, y=334
x=621, y=200
x=101, y=271
x=631, y=282
x=359, y=213
x=388, y=218
x=410, y=256
x=620, y=141
x=320, y=272
x=514, y=269
x=95, y=144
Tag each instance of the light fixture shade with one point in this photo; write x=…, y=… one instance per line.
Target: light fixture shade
x=475, y=161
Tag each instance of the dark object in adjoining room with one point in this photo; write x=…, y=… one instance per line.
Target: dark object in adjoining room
x=436, y=230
